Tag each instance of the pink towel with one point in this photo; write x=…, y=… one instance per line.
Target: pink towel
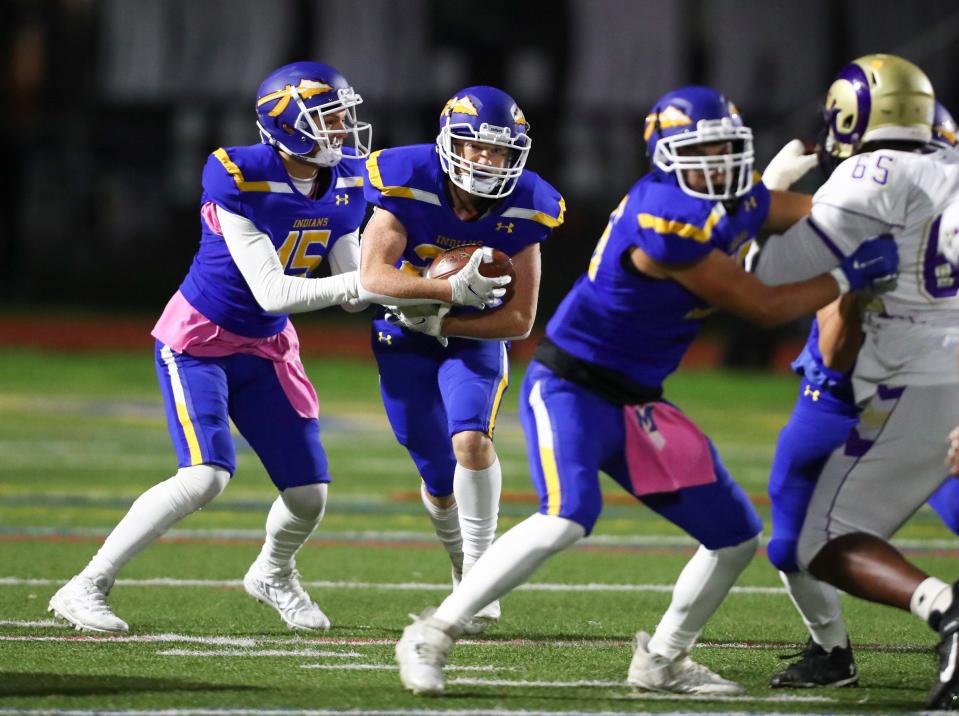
x=186, y=330
x=665, y=451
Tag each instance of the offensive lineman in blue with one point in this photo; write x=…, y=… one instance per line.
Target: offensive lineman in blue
x=442, y=394
x=824, y=413
x=270, y=214
x=592, y=398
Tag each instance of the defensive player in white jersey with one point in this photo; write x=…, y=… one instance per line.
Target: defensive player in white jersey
x=878, y=117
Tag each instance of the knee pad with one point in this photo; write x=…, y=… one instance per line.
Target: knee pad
x=194, y=487
x=308, y=502
x=782, y=555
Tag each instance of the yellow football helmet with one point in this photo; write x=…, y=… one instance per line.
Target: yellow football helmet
x=877, y=98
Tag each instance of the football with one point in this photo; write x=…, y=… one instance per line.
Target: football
x=495, y=263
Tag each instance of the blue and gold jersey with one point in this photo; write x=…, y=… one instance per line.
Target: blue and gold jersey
x=410, y=184
x=252, y=182
x=622, y=320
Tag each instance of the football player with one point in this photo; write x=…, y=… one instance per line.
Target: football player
x=592, y=397
x=878, y=121
x=824, y=413
x=442, y=396
x=225, y=350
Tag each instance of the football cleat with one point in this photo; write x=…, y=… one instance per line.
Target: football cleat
x=682, y=676
x=485, y=617
x=944, y=693
x=818, y=667
x=284, y=593
x=83, y=602
x=422, y=652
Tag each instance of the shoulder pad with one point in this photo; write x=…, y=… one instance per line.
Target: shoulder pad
x=536, y=200
x=674, y=227
x=400, y=173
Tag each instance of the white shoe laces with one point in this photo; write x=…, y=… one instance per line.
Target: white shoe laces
x=93, y=600
x=287, y=591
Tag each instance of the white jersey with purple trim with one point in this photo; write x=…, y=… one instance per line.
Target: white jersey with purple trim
x=912, y=332
x=905, y=194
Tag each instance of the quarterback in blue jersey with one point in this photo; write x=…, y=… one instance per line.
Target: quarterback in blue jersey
x=441, y=387
x=270, y=213
x=592, y=397
x=824, y=413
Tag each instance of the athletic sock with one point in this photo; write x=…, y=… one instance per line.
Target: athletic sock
x=446, y=524
x=153, y=513
x=508, y=563
x=477, y=498
x=701, y=587
x=818, y=605
x=931, y=598
x=285, y=534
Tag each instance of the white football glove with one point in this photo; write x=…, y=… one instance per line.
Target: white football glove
x=952, y=455
x=789, y=166
x=424, y=318
x=472, y=289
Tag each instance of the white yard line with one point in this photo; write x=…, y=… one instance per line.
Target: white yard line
x=394, y=667
x=260, y=652
x=347, y=536
x=37, y=623
x=386, y=586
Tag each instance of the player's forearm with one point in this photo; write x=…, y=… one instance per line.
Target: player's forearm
x=255, y=258
x=502, y=324
x=840, y=333
x=787, y=302
x=388, y=285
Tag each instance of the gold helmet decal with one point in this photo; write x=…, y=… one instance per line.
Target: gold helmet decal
x=459, y=105
x=670, y=117
x=877, y=98
x=306, y=89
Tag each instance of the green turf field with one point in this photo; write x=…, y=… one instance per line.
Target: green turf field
x=82, y=435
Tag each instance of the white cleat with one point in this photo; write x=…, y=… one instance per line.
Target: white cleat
x=83, y=602
x=284, y=593
x=484, y=618
x=422, y=652
x=683, y=676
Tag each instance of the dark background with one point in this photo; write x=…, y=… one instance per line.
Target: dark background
x=111, y=106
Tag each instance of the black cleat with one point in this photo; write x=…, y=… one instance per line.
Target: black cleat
x=944, y=693
x=817, y=667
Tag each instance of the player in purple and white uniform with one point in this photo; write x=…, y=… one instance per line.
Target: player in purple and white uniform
x=442, y=396
x=824, y=413
x=877, y=124
x=592, y=397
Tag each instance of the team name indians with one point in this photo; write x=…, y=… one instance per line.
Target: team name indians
x=311, y=222
x=451, y=243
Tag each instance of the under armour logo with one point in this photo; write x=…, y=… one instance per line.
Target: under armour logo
x=384, y=338
x=342, y=199
x=812, y=393
x=750, y=203
x=508, y=227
